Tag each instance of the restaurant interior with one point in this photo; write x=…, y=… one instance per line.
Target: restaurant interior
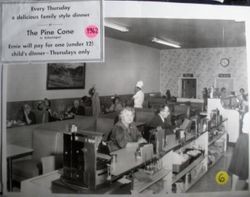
x=205, y=56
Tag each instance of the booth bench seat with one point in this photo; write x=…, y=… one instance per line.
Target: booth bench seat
x=47, y=140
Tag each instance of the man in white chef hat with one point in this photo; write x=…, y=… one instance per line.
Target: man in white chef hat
x=139, y=95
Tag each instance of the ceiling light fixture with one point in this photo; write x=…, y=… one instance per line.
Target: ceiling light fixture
x=159, y=41
x=221, y=1
x=238, y=20
x=116, y=26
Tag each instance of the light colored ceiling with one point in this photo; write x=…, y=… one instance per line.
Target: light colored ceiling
x=189, y=33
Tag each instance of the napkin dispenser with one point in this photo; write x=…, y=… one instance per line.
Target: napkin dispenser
x=180, y=133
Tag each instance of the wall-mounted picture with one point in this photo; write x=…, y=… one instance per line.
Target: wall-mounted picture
x=66, y=76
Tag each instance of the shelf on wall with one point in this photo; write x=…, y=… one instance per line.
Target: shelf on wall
x=216, y=126
x=187, y=169
x=216, y=138
x=141, y=186
x=195, y=181
x=217, y=159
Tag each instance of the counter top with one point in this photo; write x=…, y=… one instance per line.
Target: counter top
x=193, y=100
x=126, y=160
x=174, y=144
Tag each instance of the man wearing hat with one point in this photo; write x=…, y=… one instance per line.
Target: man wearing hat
x=139, y=95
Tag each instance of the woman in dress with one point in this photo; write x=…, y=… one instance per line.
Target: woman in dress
x=139, y=95
x=239, y=162
x=95, y=100
x=125, y=131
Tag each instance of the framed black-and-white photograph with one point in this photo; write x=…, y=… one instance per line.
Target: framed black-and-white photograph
x=66, y=76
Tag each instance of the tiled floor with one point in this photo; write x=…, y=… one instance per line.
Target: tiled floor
x=207, y=183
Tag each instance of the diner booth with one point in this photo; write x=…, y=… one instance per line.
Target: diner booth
x=62, y=155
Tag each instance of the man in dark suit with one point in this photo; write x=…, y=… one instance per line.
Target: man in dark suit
x=161, y=121
x=77, y=109
x=28, y=116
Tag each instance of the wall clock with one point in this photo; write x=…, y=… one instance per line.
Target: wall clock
x=224, y=62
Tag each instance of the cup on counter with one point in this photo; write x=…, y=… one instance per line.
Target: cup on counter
x=167, y=141
x=9, y=123
x=137, y=155
x=109, y=172
x=73, y=128
x=114, y=158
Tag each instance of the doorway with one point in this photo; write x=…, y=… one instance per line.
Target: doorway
x=188, y=87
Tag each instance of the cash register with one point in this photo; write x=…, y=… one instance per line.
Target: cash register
x=83, y=166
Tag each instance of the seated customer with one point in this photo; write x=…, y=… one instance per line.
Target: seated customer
x=124, y=131
x=116, y=105
x=47, y=104
x=45, y=107
x=85, y=101
x=233, y=100
x=242, y=96
x=77, y=109
x=28, y=116
x=168, y=95
x=160, y=121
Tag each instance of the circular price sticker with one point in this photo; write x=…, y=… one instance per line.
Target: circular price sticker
x=91, y=31
x=221, y=177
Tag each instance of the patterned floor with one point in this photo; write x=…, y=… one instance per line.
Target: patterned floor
x=207, y=183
